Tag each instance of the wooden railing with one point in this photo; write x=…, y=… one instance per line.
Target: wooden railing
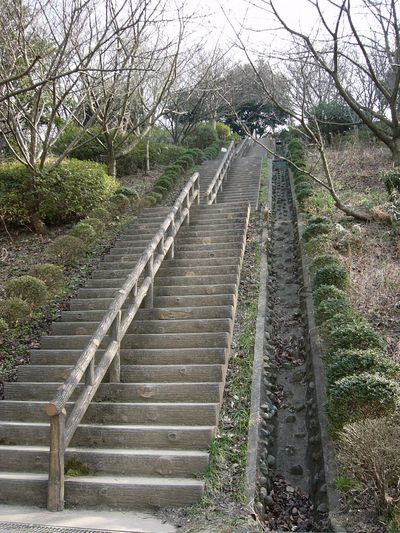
x=243, y=146
x=216, y=184
x=111, y=331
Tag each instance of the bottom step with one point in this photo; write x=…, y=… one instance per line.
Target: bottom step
x=111, y=492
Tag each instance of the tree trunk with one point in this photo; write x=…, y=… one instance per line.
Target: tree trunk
x=38, y=225
x=147, y=156
x=395, y=149
x=111, y=162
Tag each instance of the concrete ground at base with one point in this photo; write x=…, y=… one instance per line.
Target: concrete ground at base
x=36, y=520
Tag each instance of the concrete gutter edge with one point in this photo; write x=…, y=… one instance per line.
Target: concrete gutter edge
x=320, y=383
x=258, y=367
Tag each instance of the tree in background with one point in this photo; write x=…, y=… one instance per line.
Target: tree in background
x=358, y=48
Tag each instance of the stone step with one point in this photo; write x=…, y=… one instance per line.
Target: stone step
x=37, y=389
x=165, y=314
x=193, y=300
x=114, y=461
x=161, y=290
x=149, y=326
x=112, y=436
x=172, y=271
x=152, y=356
x=164, y=340
x=125, y=492
x=116, y=283
x=183, y=413
x=175, y=263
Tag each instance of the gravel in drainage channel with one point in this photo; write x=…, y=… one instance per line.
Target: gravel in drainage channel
x=292, y=491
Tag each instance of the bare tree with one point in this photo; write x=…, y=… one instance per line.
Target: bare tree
x=358, y=47
x=129, y=90
x=58, y=45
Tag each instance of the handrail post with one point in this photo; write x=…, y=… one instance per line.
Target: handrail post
x=171, y=251
x=89, y=373
x=149, y=298
x=55, y=488
x=187, y=202
x=115, y=366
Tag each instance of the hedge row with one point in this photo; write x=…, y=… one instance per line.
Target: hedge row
x=362, y=379
x=191, y=157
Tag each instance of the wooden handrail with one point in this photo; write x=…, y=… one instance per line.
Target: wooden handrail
x=115, y=324
x=216, y=184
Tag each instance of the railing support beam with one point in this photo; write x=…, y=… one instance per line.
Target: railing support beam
x=55, y=488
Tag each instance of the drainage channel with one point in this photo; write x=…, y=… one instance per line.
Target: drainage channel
x=292, y=490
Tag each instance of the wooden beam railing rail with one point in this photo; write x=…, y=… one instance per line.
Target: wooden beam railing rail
x=242, y=146
x=137, y=288
x=216, y=184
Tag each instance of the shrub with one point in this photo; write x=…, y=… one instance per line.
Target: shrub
x=331, y=275
x=119, y=203
x=223, y=131
x=101, y=213
x=347, y=317
x=357, y=335
x=325, y=292
x=318, y=245
x=147, y=201
x=361, y=396
x=186, y=161
x=330, y=307
x=30, y=289
x=62, y=195
x=211, y=152
x=368, y=452
x=313, y=229
x=67, y=249
x=84, y=231
x=196, y=154
x=129, y=192
x=168, y=153
x=3, y=330
x=96, y=223
x=303, y=191
x=391, y=179
x=15, y=311
x=51, y=275
x=349, y=362
x=324, y=260
x=202, y=135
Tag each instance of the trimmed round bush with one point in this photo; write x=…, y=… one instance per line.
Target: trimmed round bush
x=4, y=329
x=196, y=154
x=62, y=195
x=15, y=311
x=331, y=275
x=68, y=250
x=51, y=275
x=324, y=260
x=30, y=289
x=318, y=245
x=357, y=335
x=361, y=396
x=129, y=192
x=119, y=203
x=147, y=201
x=325, y=292
x=347, y=317
x=101, y=213
x=314, y=229
x=96, y=223
x=186, y=161
x=303, y=191
x=84, y=231
x=330, y=307
x=349, y=362
x=160, y=189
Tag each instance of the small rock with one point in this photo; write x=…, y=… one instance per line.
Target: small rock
x=259, y=507
x=271, y=460
x=295, y=511
x=290, y=419
x=268, y=500
x=289, y=489
x=323, y=488
x=263, y=493
x=296, y=470
x=322, y=508
x=311, y=385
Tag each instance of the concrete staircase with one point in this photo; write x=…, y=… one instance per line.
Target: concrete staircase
x=143, y=442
